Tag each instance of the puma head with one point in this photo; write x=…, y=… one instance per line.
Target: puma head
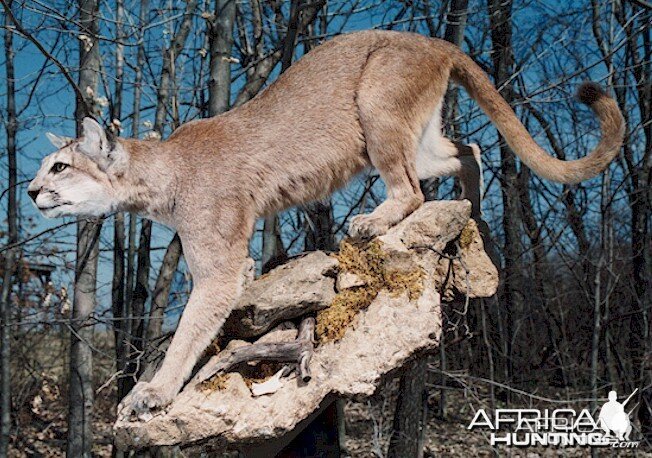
x=78, y=179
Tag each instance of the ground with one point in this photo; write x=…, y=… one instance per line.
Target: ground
x=368, y=425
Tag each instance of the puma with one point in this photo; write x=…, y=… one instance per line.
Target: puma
x=364, y=99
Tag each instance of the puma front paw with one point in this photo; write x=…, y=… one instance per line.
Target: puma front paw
x=367, y=226
x=145, y=398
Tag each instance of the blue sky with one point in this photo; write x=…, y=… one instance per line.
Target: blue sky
x=52, y=103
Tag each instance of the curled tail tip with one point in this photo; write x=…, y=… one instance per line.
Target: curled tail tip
x=589, y=92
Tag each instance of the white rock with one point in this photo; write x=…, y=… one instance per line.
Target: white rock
x=269, y=386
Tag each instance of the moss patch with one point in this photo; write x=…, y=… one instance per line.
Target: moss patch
x=216, y=383
x=370, y=263
x=468, y=234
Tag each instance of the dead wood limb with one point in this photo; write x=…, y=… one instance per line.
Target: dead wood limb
x=300, y=352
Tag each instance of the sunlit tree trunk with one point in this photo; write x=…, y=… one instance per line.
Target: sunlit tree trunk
x=80, y=433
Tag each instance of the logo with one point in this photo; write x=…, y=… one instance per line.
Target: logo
x=559, y=427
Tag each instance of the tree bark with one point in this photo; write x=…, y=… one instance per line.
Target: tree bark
x=500, y=13
x=319, y=230
x=118, y=303
x=409, y=419
x=169, y=58
x=138, y=299
x=161, y=294
x=220, y=31
x=80, y=433
x=12, y=238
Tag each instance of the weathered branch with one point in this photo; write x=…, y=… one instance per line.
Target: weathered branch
x=299, y=352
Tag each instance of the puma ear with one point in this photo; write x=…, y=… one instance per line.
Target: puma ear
x=57, y=141
x=95, y=145
x=93, y=140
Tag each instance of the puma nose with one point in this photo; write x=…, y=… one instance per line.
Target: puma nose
x=33, y=193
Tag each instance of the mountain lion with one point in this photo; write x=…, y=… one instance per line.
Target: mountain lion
x=364, y=99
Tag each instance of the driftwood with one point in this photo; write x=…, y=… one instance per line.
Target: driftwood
x=298, y=352
x=304, y=285
x=438, y=249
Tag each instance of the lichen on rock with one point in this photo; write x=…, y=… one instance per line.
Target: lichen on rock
x=468, y=234
x=369, y=262
x=215, y=383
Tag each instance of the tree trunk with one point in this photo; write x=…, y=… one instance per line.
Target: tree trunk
x=162, y=287
x=138, y=299
x=319, y=230
x=503, y=62
x=220, y=31
x=169, y=58
x=409, y=419
x=80, y=434
x=118, y=304
x=12, y=237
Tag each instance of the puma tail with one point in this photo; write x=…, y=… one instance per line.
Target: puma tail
x=480, y=88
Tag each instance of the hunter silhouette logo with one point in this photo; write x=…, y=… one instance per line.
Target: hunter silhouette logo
x=563, y=427
x=613, y=419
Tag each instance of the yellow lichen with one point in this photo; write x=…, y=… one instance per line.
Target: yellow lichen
x=399, y=281
x=369, y=262
x=215, y=383
x=468, y=234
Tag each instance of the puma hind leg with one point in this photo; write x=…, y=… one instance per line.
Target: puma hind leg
x=391, y=151
x=441, y=157
x=391, y=116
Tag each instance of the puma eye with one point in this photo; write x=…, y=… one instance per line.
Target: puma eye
x=58, y=167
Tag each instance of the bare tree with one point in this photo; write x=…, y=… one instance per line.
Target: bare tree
x=118, y=299
x=220, y=31
x=500, y=17
x=80, y=432
x=9, y=267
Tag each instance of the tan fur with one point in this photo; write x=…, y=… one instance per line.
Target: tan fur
x=369, y=98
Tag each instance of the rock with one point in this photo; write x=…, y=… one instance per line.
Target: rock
x=392, y=330
x=433, y=225
x=303, y=285
x=433, y=228
x=348, y=280
x=476, y=265
x=270, y=386
x=389, y=332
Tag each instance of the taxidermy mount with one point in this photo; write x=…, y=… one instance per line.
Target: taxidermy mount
x=364, y=99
